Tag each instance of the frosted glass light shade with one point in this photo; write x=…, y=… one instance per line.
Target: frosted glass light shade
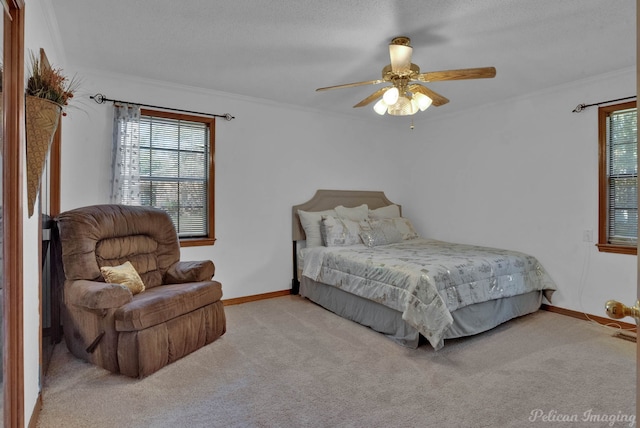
x=414, y=106
x=403, y=107
x=391, y=96
x=380, y=107
x=423, y=101
x=400, y=58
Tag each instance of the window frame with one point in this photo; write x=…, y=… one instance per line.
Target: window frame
x=603, y=183
x=209, y=239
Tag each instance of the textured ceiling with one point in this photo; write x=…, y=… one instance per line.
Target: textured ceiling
x=282, y=50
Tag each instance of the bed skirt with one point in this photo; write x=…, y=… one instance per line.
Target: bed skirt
x=467, y=321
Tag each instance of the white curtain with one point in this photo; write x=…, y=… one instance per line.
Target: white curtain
x=125, y=183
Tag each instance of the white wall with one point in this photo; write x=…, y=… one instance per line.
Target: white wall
x=523, y=174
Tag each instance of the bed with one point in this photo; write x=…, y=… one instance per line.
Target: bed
x=357, y=256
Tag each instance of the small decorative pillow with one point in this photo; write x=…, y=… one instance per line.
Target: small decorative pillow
x=125, y=274
x=390, y=211
x=310, y=221
x=338, y=232
x=379, y=232
x=356, y=213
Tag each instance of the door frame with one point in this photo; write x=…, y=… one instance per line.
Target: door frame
x=12, y=224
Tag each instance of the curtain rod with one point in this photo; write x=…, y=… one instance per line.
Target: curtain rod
x=581, y=107
x=101, y=99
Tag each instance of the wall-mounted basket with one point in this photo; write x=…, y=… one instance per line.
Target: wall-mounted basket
x=42, y=117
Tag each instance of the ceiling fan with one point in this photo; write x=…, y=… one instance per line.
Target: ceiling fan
x=406, y=96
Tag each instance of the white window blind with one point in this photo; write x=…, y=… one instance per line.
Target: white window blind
x=622, y=172
x=174, y=171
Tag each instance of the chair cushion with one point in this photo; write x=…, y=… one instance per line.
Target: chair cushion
x=165, y=302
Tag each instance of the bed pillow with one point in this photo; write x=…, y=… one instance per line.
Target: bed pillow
x=125, y=274
x=356, y=213
x=337, y=231
x=310, y=221
x=390, y=211
x=379, y=232
x=405, y=227
x=402, y=226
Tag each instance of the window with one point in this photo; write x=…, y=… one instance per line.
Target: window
x=177, y=171
x=618, y=158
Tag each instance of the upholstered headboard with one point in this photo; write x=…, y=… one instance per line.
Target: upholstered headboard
x=329, y=199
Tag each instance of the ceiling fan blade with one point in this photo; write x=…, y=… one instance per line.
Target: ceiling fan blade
x=462, y=74
x=377, y=94
x=400, y=54
x=437, y=99
x=350, y=85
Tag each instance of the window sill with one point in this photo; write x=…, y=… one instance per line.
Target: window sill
x=196, y=242
x=618, y=249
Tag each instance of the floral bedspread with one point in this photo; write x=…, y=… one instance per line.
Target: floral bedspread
x=426, y=279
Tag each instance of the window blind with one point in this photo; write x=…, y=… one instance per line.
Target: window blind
x=174, y=170
x=622, y=167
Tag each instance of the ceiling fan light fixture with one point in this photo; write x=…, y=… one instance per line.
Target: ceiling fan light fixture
x=406, y=93
x=391, y=96
x=403, y=107
x=380, y=107
x=423, y=101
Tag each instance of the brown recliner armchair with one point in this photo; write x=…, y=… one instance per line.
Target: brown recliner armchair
x=106, y=324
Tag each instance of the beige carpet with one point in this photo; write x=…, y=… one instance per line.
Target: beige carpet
x=286, y=362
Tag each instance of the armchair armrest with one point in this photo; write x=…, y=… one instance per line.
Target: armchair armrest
x=181, y=272
x=96, y=295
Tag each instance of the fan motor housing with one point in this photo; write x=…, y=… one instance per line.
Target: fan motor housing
x=390, y=76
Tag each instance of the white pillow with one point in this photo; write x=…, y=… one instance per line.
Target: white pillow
x=405, y=227
x=339, y=231
x=356, y=214
x=390, y=211
x=310, y=221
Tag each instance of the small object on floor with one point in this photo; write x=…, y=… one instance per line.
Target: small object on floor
x=626, y=335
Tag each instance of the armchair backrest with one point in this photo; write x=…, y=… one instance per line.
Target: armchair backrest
x=109, y=235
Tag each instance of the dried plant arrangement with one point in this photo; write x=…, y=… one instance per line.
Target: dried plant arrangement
x=50, y=83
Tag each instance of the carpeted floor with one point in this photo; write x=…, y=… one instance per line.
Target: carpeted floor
x=286, y=362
